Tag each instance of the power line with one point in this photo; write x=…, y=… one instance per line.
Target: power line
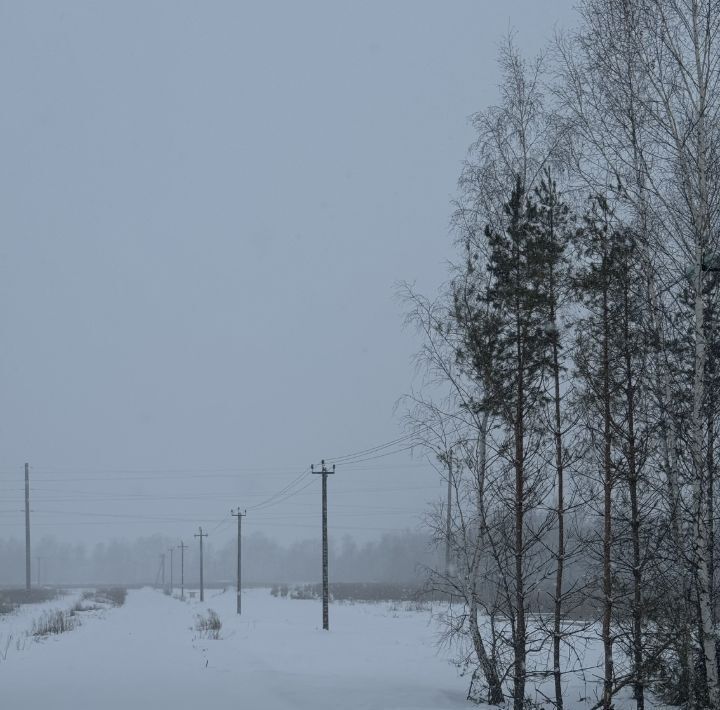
x=283, y=490
x=63, y=480
x=293, y=488
x=266, y=523
x=388, y=444
x=298, y=492
x=220, y=524
x=230, y=471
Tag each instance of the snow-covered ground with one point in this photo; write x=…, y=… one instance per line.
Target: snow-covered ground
x=276, y=656
x=15, y=626
x=148, y=654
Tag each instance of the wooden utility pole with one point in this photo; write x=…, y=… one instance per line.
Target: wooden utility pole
x=27, y=528
x=201, y=535
x=237, y=514
x=182, y=547
x=448, y=523
x=326, y=591
x=162, y=571
x=171, y=571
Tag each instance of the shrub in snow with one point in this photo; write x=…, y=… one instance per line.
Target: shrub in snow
x=209, y=626
x=84, y=605
x=115, y=595
x=8, y=642
x=10, y=599
x=4, y=653
x=359, y=591
x=306, y=591
x=54, y=622
x=100, y=599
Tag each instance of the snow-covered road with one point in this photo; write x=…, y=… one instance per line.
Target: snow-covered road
x=147, y=654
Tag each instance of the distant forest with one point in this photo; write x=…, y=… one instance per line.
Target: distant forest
x=400, y=557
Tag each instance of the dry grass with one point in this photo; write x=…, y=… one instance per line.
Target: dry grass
x=54, y=622
x=209, y=626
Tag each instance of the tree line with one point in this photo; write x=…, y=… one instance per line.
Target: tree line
x=570, y=370
x=397, y=557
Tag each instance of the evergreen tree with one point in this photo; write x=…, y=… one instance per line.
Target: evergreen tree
x=517, y=263
x=553, y=232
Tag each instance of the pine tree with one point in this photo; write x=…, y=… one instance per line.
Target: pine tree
x=517, y=264
x=553, y=233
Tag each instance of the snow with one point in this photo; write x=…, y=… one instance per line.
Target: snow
x=15, y=626
x=147, y=654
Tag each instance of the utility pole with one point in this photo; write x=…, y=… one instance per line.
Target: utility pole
x=239, y=516
x=326, y=591
x=162, y=571
x=171, y=571
x=27, y=527
x=448, y=523
x=201, y=535
x=182, y=547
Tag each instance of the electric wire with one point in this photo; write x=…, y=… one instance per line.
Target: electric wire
x=294, y=488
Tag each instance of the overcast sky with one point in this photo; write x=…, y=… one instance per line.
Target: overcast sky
x=205, y=209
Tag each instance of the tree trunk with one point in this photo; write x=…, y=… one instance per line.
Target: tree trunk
x=520, y=640
x=607, y=512
x=495, y=693
x=637, y=608
x=487, y=664
x=710, y=404
x=560, y=557
x=702, y=225
x=700, y=496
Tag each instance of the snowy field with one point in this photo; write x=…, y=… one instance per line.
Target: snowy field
x=14, y=627
x=147, y=654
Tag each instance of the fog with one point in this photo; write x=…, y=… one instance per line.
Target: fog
x=399, y=558
x=206, y=210
x=459, y=258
